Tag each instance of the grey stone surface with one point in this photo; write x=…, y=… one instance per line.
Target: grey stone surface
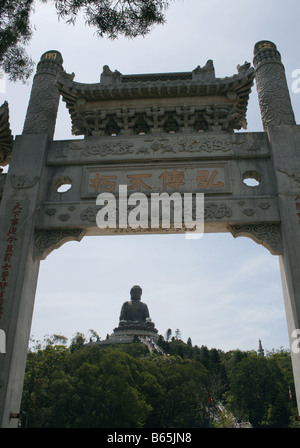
x=44, y=98
x=19, y=271
x=273, y=93
x=285, y=149
x=18, y=208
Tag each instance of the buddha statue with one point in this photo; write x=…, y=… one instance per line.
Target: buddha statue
x=134, y=310
x=134, y=317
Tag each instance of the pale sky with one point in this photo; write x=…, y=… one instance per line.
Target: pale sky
x=222, y=292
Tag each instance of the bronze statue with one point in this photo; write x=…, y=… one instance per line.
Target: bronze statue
x=134, y=310
x=135, y=318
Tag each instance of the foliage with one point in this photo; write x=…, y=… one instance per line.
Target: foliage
x=224, y=420
x=125, y=386
x=258, y=391
x=168, y=334
x=175, y=389
x=110, y=18
x=15, y=33
x=113, y=17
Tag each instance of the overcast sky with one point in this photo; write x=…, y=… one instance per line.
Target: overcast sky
x=220, y=291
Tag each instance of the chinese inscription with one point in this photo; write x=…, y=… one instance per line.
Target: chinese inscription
x=11, y=238
x=210, y=178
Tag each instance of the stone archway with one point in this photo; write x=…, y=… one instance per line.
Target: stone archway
x=160, y=133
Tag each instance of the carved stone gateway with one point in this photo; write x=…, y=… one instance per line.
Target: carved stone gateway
x=158, y=133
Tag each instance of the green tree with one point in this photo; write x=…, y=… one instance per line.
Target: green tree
x=175, y=390
x=42, y=368
x=122, y=403
x=94, y=335
x=15, y=33
x=168, y=334
x=218, y=381
x=85, y=388
x=163, y=344
x=178, y=347
x=126, y=386
x=204, y=356
x=282, y=358
x=110, y=18
x=177, y=334
x=77, y=341
x=114, y=17
x=256, y=392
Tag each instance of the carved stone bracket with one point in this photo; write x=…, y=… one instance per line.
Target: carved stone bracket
x=22, y=182
x=156, y=120
x=45, y=241
x=189, y=108
x=269, y=235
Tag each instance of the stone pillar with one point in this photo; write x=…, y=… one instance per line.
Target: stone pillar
x=44, y=98
x=273, y=94
x=284, y=136
x=284, y=142
x=18, y=209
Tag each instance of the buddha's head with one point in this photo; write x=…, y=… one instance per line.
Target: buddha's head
x=136, y=292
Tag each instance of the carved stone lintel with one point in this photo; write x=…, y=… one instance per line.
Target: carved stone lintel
x=269, y=235
x=45, y=241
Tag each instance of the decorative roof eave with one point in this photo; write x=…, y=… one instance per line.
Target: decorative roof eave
x=6, y=138
x=73, y=91
x=206, y=92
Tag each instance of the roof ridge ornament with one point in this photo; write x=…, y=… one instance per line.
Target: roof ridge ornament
x=205, y=73
x=109, y=77
x=243, y=68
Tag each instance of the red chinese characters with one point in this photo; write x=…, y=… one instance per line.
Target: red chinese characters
x=9, y=251
x=173, y=179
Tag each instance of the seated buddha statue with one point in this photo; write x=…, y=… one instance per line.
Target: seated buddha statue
x=134, y=311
